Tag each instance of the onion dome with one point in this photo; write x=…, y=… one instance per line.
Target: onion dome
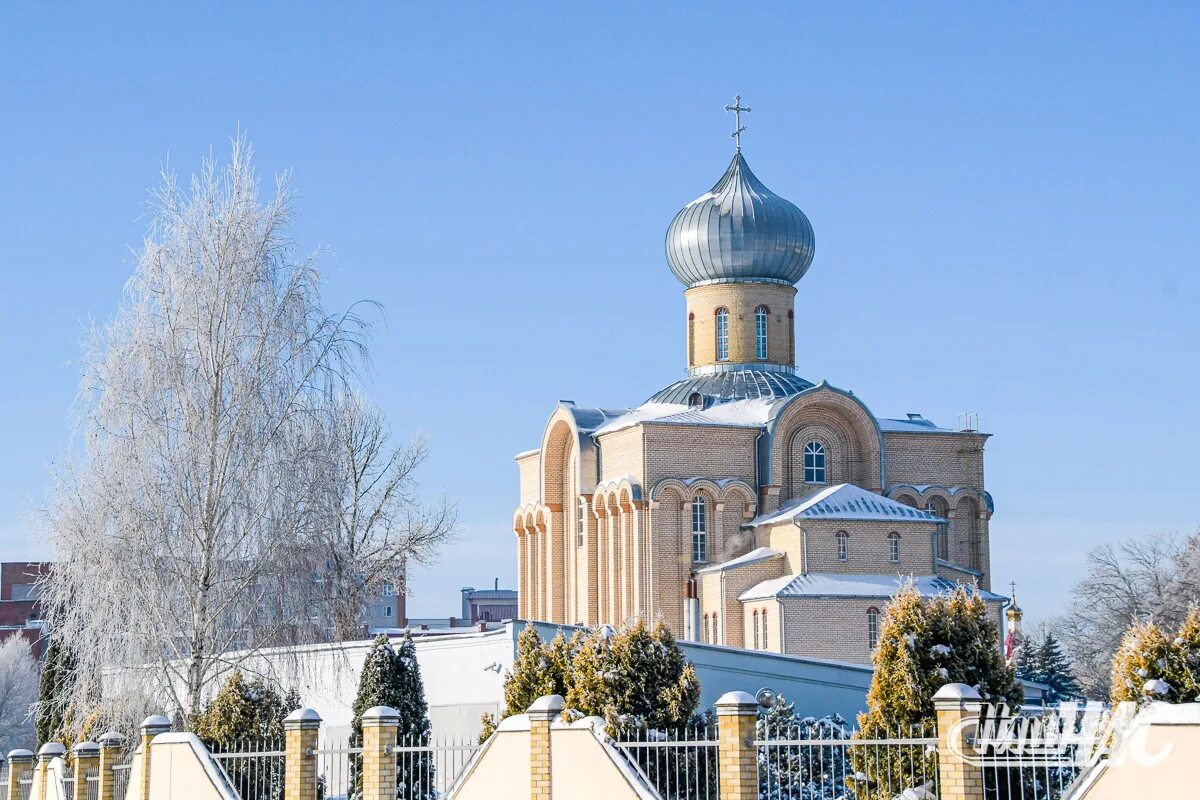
x=740, y=231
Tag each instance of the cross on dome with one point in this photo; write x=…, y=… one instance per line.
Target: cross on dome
x=737, y=108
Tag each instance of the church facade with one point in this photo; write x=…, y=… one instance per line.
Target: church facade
x=745, y=505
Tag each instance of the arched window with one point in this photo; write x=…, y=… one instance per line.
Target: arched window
x=791, y=337
x=722, y=334
x=872, y=627
x=843, y=545
x=894, y=547
x=583, y=511
x=707, y=628
x=695, y=400
x=699, y=529
x=760, y=331
x=716, y=631
x=755, y=628
x=691, y=339
x=814, y=462
x=763, y=620
x=937, y=506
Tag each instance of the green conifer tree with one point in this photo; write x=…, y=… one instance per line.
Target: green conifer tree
x=538, y=670
x=1188, y=641
x=1053, y=669
x=51, y=718
x=787, y=772
x=391, y=677
x=924, y=644
x=1149, y=666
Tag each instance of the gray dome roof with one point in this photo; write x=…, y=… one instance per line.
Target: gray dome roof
x=739, y=231
x=742, y=384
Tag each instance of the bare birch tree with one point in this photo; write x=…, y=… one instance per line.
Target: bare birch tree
x=378, y=524
x=184, y=525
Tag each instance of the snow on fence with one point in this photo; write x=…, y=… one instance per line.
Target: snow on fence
x=253, y=767
x=679, y=764
x=824, y=759
x=337, y=769
x=1036, y=754
x=428, y=767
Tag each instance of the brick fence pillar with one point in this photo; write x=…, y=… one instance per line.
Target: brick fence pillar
x=87, y=756
x=543, y=712
x=737, y=764
x=110, y=753
x=151, y=727
x=300, y=730
x=958, y=707
x=20, y=764
x=47, y=753
x=379, y=727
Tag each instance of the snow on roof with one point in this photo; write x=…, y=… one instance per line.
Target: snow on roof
x=861, y=586
x=753, y=557
x=845, y=501
x=752, y=413
x=526, y=454
x=916, y=424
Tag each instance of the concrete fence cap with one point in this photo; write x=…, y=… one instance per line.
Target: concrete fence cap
x=156, y=721
x=381, y=713
x=19, y=755
x=549, y=702
x=303, y=715
x=86, y=747
x=110, y=739
x=51, y=749
x=955, y=693
x=736, y=699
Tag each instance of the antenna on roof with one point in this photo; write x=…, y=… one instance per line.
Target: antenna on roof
x=968, y=421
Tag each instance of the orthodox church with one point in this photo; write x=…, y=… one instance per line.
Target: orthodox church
x=745, y=505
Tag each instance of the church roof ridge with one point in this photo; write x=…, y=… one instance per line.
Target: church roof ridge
x=845, y=501
x=871, y=586
x=753, y=557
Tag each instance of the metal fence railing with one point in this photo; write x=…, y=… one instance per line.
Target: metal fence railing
x=680, y=764
x=120, y=781
x=428, y=767
x=338, y=771
x=67, y=785
x=24, y=786
x=807, y=758
x=91, y=776
x=1037, y=754
x=253, y=767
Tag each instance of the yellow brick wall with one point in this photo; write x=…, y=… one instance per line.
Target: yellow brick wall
x=868, y=550
x=623, y=453
x=740, y=300
x=944, y=459
x=527, y=469
x=719, y=593
x=687, y=451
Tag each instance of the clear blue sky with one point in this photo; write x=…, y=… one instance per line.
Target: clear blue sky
x=1005, y=203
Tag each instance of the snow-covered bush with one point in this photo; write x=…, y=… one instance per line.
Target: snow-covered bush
x=1152, y=665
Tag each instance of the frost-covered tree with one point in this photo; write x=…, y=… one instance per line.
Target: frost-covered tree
x=378, y=525
x=1183, y=591
x=183, y=523
x=391, y=677
x=538, y=670
x=1131, y=580
x=925, y=643
x=18, y=693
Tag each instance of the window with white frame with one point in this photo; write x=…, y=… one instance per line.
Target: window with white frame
x=388, y=590
x=814, y=462
x=843, y=545
x=894, y=547
x=872, y=627
x=699, y=529
x=582, y=530
x=760, y=331
x=754, y=626
x=722, y=334
x=763, y=619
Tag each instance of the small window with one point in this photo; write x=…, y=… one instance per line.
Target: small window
x=843, y=545
x=389, y=590
x=763, y=619
x=814, y=462
x=707, y=630
x=872, y=627
x=894, y=547
x=582, y=531
x=699, y=529
x=722, y=334
x=695, y=400
x=387, y=611
x=760, y=331
x=755, y=628
x=716, y=629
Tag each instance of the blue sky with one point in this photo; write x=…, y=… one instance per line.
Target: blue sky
x=1004, y=197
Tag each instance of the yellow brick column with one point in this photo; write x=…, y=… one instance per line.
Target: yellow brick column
x=737, y=765
x=958, y=707
x=47, y=753
x=20, y=764
x=110, y=755
x=300, y=731
x=543, y=712
x=379, y=726
x=87, y=755
x=151, y=727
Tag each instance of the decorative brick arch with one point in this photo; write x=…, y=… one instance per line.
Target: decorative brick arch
x=837, y=419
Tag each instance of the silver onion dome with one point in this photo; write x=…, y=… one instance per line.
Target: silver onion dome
x=739, y=231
